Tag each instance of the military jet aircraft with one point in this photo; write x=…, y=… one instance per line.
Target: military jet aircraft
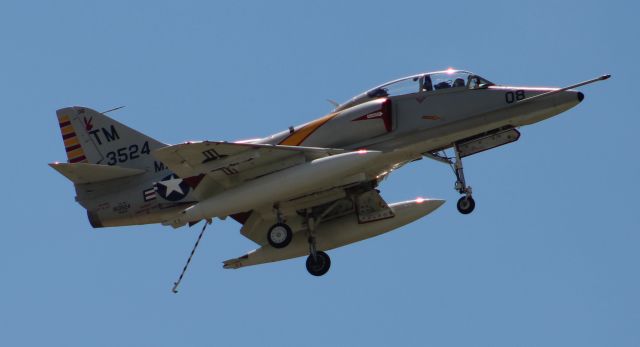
x=309, y=188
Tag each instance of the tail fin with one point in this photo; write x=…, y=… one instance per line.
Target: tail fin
x=93, y=138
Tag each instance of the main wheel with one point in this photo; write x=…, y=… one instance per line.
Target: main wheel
x=279, y=235
x=466, y=204
x=320, y=265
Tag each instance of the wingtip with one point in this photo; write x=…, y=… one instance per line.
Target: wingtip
x=232, y=264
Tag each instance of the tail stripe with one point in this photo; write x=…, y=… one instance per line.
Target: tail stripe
x=75, y=153
x=71, y=142
x=66, y=130
x=72, y=148
x=80, y=159
x=72, y=153
x=68, y=135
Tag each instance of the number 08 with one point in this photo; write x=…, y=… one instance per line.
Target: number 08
x=511, y=97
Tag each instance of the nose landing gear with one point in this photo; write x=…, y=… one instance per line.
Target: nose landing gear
x=466, y=204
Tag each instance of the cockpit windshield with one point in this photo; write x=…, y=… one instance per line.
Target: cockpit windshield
x=453, y=79
x=398, y=87
x=428, y=82
x=448, y=79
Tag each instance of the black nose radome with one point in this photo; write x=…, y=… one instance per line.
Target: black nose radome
x=580, y=96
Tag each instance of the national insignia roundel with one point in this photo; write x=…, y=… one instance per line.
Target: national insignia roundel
x=172, y=188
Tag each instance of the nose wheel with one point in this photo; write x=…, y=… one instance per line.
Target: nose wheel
x=466, y=204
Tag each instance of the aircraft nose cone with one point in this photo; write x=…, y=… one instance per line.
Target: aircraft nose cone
x=580, y=96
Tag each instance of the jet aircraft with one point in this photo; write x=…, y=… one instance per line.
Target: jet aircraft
x=309, y=188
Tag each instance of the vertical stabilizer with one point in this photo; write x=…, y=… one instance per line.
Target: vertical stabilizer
x=92, y=137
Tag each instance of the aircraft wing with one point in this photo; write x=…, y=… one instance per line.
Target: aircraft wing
x=230, y=162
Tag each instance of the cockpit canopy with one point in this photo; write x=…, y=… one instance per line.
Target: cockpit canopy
x=426, y=82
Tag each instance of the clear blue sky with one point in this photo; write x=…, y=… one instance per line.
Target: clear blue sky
x=549, y=257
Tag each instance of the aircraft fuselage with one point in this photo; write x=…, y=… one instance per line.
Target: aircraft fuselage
x=425, y=122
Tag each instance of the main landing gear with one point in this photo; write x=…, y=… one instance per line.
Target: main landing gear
x=319, y=265
x=280, y=234
x=318, y=262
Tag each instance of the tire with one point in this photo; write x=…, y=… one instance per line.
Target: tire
x=466, y=205
x=279, y=235
x=320, y=266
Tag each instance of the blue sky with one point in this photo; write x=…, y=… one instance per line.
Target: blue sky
x=549, y=257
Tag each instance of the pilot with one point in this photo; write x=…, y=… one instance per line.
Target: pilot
x=378, y=93
x=473, y=82
x=459, y=82
x=443, y=85
x=427, y=85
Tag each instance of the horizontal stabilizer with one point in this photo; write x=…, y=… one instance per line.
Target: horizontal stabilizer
x=82, y=173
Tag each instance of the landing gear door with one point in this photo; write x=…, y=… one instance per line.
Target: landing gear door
x=370, y=207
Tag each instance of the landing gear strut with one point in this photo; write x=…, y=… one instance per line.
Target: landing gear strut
x=466, y=204
x=318, y=262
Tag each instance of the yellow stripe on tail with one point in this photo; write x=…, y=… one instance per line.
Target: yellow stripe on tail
x=75, y=153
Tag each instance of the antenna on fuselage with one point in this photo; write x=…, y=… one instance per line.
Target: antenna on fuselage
x=113, y=109
x=333, y=102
